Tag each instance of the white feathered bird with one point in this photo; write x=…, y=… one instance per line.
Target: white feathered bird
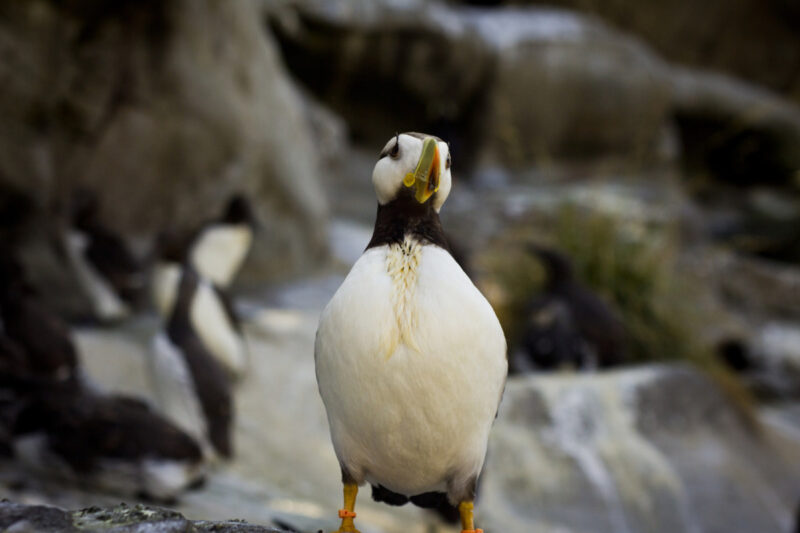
x=410, y=357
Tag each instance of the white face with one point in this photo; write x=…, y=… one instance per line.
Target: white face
x=400, y=156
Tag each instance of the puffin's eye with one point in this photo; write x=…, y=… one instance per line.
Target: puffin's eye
x=447, y=164
x=395, y=151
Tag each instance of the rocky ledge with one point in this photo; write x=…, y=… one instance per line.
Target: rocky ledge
x=122, y=518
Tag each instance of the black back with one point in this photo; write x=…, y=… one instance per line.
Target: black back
x=211, y=381
x=107, y=251
x=42, y=336
x=405, y=216
x=82, y=427
x=238, y=211
x=568, y=323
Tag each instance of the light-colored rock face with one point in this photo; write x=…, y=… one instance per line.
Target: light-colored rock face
x=651, y=449
x=523, y=85
x=751, y=39
x=164, y=110
x=566, y=86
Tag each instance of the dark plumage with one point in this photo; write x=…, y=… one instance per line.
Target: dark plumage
x=98, y=439
x=435, y=501
x=211, y=382
x=404, y=216
x=105, y=250
x=238, y=211
x=42, y=336
x=568, y=323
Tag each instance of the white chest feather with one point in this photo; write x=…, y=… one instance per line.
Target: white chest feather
x=215, y=329
x=411, y=365
x=219, y=252
x=164, y=286
x=175, y=390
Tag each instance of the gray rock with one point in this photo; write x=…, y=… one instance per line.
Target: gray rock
x=19, y=518
x=567, y=87
x=164, y=110
x=524, y=85
x=657, y=449
x=737, y=131
x=752, y=39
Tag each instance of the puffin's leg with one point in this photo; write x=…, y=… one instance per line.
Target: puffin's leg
x=467, y=522
x=348, y=513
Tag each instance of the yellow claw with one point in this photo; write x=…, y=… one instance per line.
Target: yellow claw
x=348, y=513
x=465, y=509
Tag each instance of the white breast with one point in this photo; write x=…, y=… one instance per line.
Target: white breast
x=215, y=329
x=164, y=286
x=411, y=364
x=218, y=252
x=175, y=390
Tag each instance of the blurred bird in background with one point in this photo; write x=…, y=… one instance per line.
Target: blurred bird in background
x=567, y=324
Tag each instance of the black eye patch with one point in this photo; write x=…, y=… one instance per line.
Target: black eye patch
x=393, y=151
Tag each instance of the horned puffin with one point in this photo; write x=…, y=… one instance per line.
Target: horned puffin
x=193, y=388
x=568, y=324
x=110, y=275
x=41, y=335
x=410, y=357
x=216, y=250
x=111, y=442
x=211, y=310
x=221, y=246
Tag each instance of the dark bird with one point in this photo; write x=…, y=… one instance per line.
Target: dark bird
x=194, y=389
x=567, y=324
x=410, y=357
x=113, y=443
x=110, y=275
x=44, y=339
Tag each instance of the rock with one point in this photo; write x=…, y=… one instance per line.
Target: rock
x=357, y=56
x=653, y=449
x=567, y=87
x=751, y=39
x=523, y=85
x=776, y=356
x=120, y=519
x=164, y=110
x=740, y=133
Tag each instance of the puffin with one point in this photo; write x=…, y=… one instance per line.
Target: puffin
x=194, y=389
x=410, y=357
x=568, y=324
x=111, y=442
x=43, y=339
x=219, y=247
x=216, y=249
x=211, y=312
x=110, y=275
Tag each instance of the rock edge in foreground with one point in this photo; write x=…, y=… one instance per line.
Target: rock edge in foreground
x=121, y=518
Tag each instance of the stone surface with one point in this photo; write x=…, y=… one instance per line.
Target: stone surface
x=121, y=518
x=567, y=87
x=651, y=449
x=523, y=85
x=739, y=132
x=164, y=110
x=751, y=39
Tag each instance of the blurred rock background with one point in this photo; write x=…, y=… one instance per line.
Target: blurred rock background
x=657, y=144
